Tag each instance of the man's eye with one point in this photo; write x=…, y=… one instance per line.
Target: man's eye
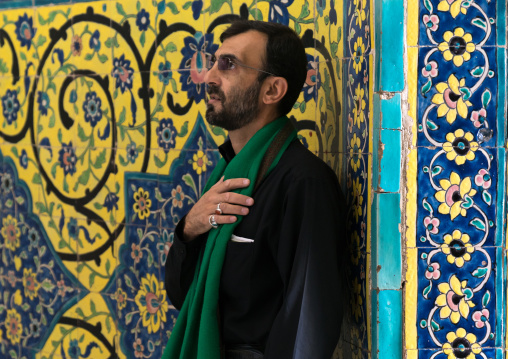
x=230, y=64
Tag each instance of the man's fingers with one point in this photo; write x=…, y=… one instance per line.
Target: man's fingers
x=228, y=208
x=233, y=183
x=224, y=219
x=235, y=198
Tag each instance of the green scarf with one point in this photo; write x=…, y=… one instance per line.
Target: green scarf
x=196, y=333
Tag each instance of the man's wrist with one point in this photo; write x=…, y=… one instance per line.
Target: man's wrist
x=181, y=232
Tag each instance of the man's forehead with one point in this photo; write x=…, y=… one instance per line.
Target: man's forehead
x=247, y=45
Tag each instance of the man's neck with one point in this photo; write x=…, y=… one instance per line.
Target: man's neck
x=240, y=137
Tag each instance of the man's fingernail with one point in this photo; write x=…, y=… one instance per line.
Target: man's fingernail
x=249, y=201
x=232, y=219
x=245, y=211
x=246, y=181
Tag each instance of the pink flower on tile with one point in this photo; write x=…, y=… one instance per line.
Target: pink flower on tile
x=479, y=117
x=480, y=317
x=431, y=22
x=349, y=123
x=430, y=69
x=432, y=224
x=433, y=271
x=483, y=179
x=138, y=348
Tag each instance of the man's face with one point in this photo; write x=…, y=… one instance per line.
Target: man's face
x=237, y=109
x=234, y=94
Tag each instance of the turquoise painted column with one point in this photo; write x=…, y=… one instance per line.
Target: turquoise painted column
x=386, y=291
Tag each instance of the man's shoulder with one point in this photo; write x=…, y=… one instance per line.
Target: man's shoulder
x=298, y=162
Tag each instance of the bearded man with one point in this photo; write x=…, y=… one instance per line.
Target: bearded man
x=255, y=266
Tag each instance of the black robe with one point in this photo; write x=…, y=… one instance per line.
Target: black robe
x=284, y=293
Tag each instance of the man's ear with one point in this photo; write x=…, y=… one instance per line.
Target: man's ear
x=274, y=90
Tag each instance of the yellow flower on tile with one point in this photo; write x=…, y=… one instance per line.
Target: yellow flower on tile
x=457, y=46
x=200, y=160
x=457, y=248
x=30, y=283
x=356, y=299
x=461, y=345
x=359, y=52
x=356, y=344
x=454, y=300
x=18, y=299
x=450, y=99
x=357, y=198
x=13, y=326
x=17, y=263
x=354, y=152
x=453, y=6
x=453, y=195
x=121, y=298
x=152, y=304
x=10, y=233
x=142, y=203
x=360, y=11
x=460, y=146
x=359, y=106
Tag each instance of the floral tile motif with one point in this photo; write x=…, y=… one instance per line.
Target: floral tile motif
x=461, y=263
x=477, y=18
x=105, y=148
x=356, y=113
x=455, y=97
x=457, y=290
x=36, y=284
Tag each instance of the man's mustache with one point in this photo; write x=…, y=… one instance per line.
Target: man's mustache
x=215, y=90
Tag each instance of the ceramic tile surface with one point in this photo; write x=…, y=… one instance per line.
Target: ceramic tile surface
x=104, y=148
x=459, y=96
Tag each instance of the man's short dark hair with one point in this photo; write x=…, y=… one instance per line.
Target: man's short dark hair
x=285, y=56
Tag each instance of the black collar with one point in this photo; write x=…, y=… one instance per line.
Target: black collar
x=227, y=151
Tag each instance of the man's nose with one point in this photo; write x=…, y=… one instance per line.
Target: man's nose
x=211, y=76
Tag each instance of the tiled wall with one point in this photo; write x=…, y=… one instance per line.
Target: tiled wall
x=104, y=148
x=456, y=213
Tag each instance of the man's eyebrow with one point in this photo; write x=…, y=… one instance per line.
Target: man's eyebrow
x=231, y=56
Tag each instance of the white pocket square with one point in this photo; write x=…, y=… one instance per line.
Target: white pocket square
x=241, y=239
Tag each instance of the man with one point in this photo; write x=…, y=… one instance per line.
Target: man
x=255, y=264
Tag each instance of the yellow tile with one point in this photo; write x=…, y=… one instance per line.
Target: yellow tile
x=412, y=75
x=26, y=53
x=412, y=23
x=94, y=275
x=91, y=309
x=412, y=191
x=14, y=106
x=142, y=17
x=332, y=33
x=410, y=298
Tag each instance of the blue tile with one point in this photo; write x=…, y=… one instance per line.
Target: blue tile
x=446, y=22
x=433, y=167
x=501, y=197
x=390, y=161
x=390, y=46
x=386, y=241
x=501, y=22
x=501, y=96
x=387, y=324
x=9, y=4
x=375, y=158
x=481, y=288
x=388, y=111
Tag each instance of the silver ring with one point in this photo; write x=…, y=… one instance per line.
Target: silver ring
x=218, y=211
x=212, y=221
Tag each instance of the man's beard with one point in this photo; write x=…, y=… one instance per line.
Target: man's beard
x=238, y=110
